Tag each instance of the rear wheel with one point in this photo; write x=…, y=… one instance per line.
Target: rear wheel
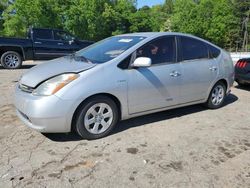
x=217, y=96
x=11, y=60
x=96, y=117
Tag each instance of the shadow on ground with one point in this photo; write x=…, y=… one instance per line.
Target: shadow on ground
x=142, y=120
x=246, y=87
x=21, y=68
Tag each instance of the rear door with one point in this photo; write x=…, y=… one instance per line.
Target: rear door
x=199, y=71
x=155, y=87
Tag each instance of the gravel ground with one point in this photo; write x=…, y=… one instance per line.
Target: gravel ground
x=186, y=147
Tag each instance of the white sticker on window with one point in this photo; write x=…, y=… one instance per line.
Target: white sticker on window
x=125, y=40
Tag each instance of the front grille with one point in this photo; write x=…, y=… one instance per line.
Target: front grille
x=26, y=88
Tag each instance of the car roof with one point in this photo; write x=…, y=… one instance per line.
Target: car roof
x=159, y=34
x=155, y=34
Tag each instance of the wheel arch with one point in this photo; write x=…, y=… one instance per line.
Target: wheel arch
x=111, y=96
x=223, y=80
x=17, y=49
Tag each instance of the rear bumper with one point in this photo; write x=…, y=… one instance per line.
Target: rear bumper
x=244, y=78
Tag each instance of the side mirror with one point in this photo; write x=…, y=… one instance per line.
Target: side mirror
x=142, y=62
x=71, y=41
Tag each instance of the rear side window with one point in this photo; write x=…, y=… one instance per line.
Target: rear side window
x=213, y=52
x=43, y=34
x=192, y=49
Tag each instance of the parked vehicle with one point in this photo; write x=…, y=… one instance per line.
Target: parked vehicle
x=41, y=44
x=123, y=77
x=242, y=72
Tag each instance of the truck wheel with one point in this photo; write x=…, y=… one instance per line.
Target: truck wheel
x=11, y=60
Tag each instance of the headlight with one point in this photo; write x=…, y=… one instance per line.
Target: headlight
x=54, y=84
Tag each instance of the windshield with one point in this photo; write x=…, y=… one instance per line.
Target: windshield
x=109, y=48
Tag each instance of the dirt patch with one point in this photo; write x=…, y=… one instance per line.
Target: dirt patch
x=185, y=147
x=132, y=150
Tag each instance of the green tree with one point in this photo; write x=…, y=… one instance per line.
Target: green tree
x=223, y=26
x=158, y=16
x=84, y=18
x=168, y=6
x=22, y=14
x=97, y=19
x=242, y=10
x=3, y=6
x=148, y=19
x=117, y=15
x=182, y=19
x=209, y=19
x=141, y=20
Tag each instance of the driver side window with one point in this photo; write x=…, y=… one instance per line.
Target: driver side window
x=161, y=50
x=61, y=35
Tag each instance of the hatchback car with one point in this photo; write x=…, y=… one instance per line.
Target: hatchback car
x=123, y=77
x=242, y=72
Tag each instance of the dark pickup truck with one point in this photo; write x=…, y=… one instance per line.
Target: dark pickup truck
x=41, y=44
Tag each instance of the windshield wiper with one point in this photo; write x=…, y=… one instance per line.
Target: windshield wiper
x=80, y=58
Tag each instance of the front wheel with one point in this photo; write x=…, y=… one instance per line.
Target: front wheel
x=217, y=96
x=11, y=60
x=96, y=117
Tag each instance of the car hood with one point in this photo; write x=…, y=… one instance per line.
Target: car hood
x=46, y=70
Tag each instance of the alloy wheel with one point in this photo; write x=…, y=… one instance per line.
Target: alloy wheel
x=218, y=94
x=11, y=60
x=98, y=118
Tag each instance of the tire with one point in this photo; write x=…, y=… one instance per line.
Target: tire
x=96, y=118
x=11, y=60
x=217, y=96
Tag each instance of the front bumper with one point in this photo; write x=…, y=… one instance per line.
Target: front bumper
x=48, y=114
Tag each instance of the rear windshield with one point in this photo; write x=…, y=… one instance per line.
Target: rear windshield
x=109, y=48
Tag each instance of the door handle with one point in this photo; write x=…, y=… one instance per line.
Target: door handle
x=213, y=68
x=175, y=74
x=38, y=42
x=60, y=43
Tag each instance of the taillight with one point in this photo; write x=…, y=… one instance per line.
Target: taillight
x=238, y=63
x=241, y=64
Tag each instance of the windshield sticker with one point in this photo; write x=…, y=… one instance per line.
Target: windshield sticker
x=125, y=40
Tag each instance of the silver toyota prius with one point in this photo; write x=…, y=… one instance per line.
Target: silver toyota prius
x=123, y=77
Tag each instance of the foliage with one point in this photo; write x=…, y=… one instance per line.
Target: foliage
x=218, y=21
x=209, y=19
x=3, y=6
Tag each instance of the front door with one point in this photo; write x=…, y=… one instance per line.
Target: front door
x=155, y=87
x=66, y=43
x=45, y=47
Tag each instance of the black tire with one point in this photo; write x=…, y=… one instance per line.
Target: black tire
x=79, y=121
x=210, y=104
x=11, y=65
